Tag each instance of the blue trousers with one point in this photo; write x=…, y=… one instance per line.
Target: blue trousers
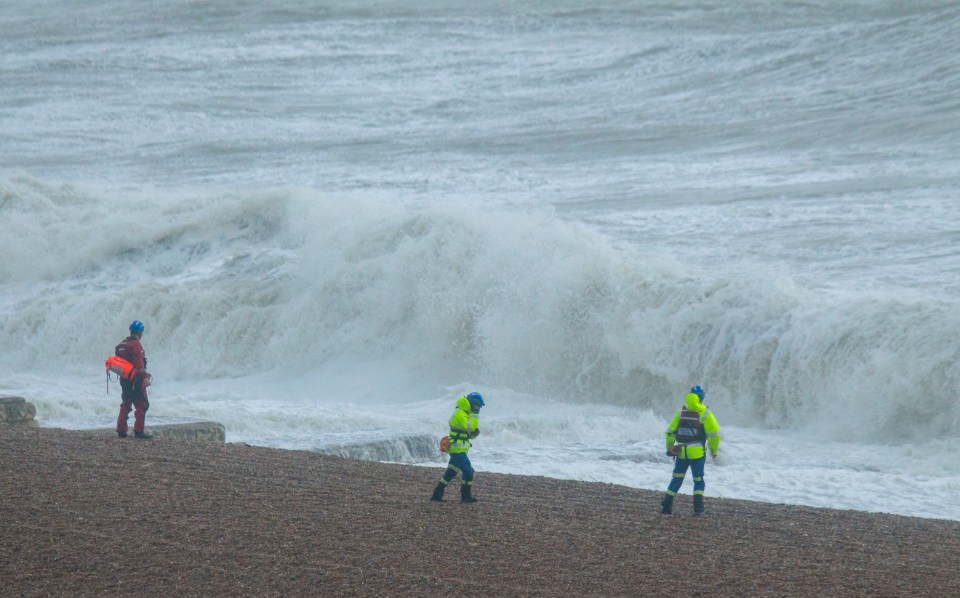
x=459, y=464
x=680, y=472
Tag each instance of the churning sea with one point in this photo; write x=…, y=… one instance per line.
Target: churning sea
x=336, y=217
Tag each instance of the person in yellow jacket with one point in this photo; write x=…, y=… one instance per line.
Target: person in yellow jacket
x=692, y=431
x=463, y=428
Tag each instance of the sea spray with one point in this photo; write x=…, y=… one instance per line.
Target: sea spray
x=287, y=280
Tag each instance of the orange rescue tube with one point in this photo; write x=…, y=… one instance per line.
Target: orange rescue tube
x=121, y=367
x=444, y=444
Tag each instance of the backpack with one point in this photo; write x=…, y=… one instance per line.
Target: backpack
x=123, y=350
x=690, y=428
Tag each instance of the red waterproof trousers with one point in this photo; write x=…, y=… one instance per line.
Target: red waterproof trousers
x=134, y=397
x=140, y=412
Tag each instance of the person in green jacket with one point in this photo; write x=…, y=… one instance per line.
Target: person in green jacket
x=463, y=429
x=692, y=430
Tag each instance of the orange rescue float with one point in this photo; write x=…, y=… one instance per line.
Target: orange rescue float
x=121, y=367
x=124, y=369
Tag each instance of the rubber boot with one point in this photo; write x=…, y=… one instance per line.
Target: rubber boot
x=666, y=505
x=698, y=504
x=466, y=494
x=438, y=492
x=143, y=435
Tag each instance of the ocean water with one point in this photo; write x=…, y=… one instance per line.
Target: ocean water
x=334, y=218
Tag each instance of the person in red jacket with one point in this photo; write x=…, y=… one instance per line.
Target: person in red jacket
x=134, y=392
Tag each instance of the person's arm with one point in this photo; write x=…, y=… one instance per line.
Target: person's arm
x=671, y=432
x=712, y=428
x=458, y=422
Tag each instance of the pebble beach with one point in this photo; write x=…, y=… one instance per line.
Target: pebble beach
x=89, y=515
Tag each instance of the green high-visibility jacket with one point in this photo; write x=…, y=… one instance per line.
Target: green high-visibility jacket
x=463, y=426
x=710, y=426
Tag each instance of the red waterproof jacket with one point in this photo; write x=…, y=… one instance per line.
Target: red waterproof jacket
x=131, y=350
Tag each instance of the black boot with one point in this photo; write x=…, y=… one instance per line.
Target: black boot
x=466, y=494
x=698, y=504
x=438, y=492
x=666, y=505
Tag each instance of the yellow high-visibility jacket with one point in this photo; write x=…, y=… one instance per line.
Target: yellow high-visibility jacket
x=463, y=427
x=710, y=426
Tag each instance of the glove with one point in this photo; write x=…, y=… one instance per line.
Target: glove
x=673, y=451
x=714, y=455
x=144, y=379
x=474, y=434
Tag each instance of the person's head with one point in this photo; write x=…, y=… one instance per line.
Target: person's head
x=476, y=401
x=136, y=328
x=698, y=390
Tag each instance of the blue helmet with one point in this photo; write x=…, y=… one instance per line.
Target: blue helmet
x=136, y=326
x=698, y=390
x=476, y=399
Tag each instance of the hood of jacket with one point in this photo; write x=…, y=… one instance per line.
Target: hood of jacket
x=463, y=403
x=693, y=402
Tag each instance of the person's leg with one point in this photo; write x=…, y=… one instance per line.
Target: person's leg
x=139, y=416
x=449, y=474
x=466, y=480
x=125, y=408
x=679, y=472
x=452, y=469
x=696, y=468
x=462, y=463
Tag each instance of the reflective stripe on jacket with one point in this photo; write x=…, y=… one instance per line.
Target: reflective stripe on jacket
x=462, y=423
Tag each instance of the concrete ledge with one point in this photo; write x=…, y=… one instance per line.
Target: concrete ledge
x=201, y=431
x=15, y=411
x=195, y=431
x=409, y=448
